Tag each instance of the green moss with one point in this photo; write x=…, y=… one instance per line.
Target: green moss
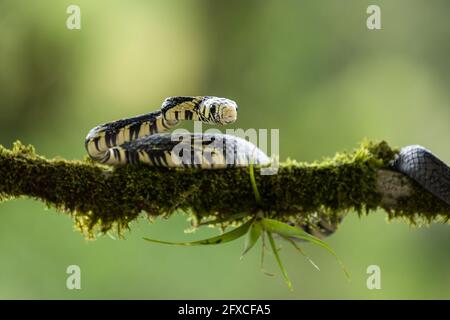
x=99, y=197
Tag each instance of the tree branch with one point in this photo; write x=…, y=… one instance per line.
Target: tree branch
x=100, y=197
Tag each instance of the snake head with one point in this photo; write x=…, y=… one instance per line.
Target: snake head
x=220, y=110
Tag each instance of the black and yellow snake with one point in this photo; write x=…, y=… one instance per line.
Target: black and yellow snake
x=140, y=140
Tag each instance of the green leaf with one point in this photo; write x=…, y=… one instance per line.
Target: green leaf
x=253, y=182
x=253, y=235
x=264, y=248
x=288, y=231
x=301, y=252
x=280, y=264
x=223, y=238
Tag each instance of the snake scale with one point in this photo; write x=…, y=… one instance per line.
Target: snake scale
x=140, y=139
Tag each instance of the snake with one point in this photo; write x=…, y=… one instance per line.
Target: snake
x=143, y=139
x=425, y=168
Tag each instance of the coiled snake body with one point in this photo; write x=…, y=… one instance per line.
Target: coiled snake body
x=140, y=140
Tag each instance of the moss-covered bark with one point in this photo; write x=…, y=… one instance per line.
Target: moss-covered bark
x=100, y=197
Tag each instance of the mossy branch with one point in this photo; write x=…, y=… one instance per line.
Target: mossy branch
x=100, y=197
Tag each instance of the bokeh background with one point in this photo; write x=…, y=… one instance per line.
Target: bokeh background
x=309, y=68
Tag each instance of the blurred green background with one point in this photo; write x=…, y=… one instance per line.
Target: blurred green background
x=310, y=68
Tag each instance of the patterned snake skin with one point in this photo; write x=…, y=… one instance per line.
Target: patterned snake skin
x=426, y=169
x=140, y=139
